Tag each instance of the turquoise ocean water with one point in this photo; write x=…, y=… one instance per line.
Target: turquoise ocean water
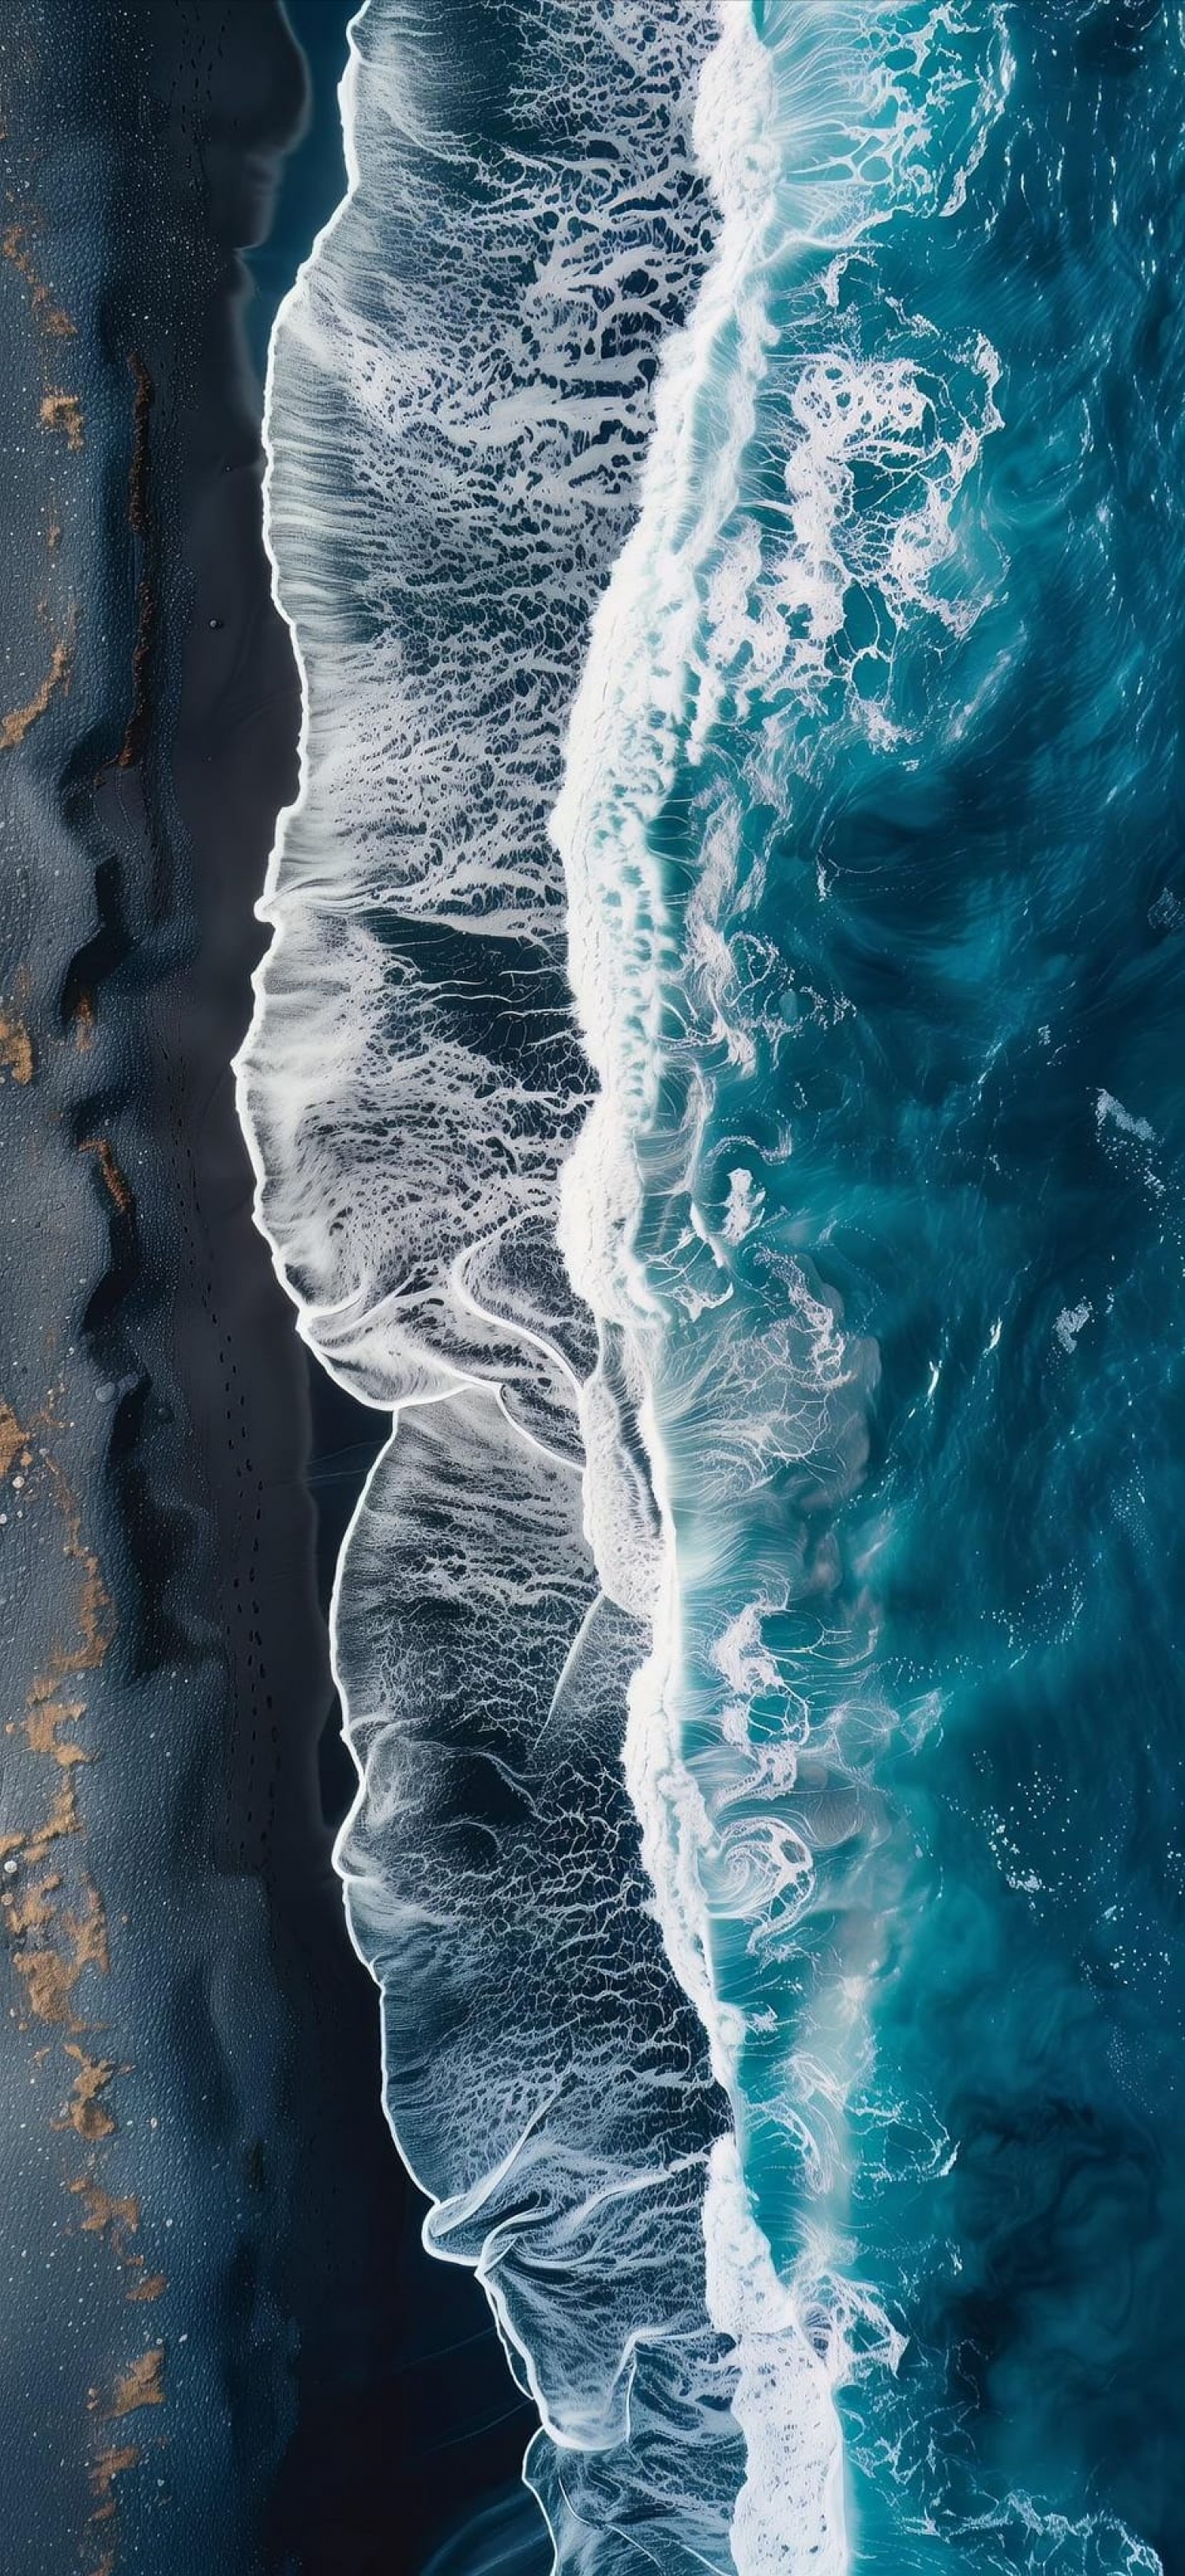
x=908, y=791
x=858, y=828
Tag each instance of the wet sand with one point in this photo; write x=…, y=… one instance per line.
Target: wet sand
x=230, y=2351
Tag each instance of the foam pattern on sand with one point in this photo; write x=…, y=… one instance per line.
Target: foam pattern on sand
x=460, y=403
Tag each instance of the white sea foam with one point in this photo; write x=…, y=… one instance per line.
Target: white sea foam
x=1072, y=1321
x=456, y=412
x=632, y=711
x=785, y=2400
x=459, y=396
x=720, y=648
x=544, y=2077
x=1108, y=1108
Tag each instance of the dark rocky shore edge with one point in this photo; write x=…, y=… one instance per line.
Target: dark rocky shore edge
x=226, y=2350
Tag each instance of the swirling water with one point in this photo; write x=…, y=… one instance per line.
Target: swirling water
x=725, y=483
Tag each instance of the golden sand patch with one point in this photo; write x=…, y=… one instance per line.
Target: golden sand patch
x=139, y=2386
x=102, y=2211
x=118, y=1187
x=41, y=1730
x=150, y=2287
x=64, y=412
x=109, y=2466
x=14, y=247
x=16, y=1047
x=14, y=1443
x=17, y=723
x=85, y=2109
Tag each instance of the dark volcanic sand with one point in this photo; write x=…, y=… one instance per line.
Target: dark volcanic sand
x=225, y=2349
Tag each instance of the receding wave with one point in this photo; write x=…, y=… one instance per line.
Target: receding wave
x=460, y=402
x=547, y=2082
x=458, y=406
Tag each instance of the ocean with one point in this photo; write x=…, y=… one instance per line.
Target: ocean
x=716, y=1085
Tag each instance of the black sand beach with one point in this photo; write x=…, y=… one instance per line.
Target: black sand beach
x=227, y=2349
